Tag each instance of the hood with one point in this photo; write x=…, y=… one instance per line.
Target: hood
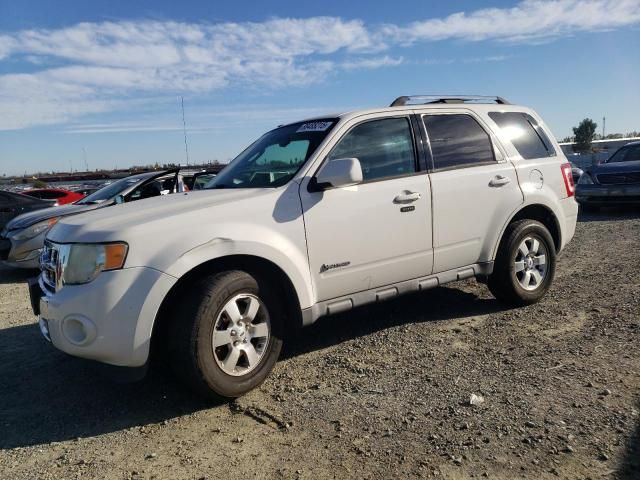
x=616, y=167
x=182, y=211
x=27, y=219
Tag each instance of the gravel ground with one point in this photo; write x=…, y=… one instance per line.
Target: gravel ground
x=382, y=392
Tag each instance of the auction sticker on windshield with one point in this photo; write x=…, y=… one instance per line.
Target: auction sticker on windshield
x=314, y=127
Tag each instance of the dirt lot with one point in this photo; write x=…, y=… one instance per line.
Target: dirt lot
x=383, y=392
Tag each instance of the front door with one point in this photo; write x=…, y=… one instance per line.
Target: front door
x=378, y=232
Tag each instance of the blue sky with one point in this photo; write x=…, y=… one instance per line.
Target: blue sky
x=107, y=76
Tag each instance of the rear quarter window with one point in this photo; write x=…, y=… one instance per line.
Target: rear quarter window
x=524, y=132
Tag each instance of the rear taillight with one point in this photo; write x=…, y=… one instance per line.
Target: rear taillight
x=568, y=179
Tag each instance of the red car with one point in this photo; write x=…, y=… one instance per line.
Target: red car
x=56, y=195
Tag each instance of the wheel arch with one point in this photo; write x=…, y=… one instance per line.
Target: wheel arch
x=254, y=265
x=541, y=213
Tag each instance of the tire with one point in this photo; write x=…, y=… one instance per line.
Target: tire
x=514, y=280
x=203, y=334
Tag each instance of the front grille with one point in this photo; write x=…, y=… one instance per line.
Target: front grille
x=619, y=178
x=49, y=266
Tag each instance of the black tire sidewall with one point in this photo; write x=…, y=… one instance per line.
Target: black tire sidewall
x=211, y=374
x=540, y=231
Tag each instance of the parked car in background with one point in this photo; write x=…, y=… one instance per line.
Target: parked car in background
x=198, y=180
x=314, y=218
x=58, y=195
x=614, y=182
x=23, y=237
x=13, y=204
x=87, y=190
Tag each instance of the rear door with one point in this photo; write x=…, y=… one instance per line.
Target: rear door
x=474, y=189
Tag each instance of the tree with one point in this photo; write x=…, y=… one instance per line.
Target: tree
x=584, y=135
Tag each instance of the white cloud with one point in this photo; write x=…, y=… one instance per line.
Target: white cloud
x=204, y=120
x=91, y=68
x=371, y=63
x=530, y=20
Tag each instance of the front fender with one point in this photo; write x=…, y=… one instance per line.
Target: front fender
x=291, y=259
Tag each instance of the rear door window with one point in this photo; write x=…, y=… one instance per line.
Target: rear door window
x=457, y=141
x=524, y=132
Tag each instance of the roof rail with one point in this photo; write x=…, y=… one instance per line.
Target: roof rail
x=427, y=99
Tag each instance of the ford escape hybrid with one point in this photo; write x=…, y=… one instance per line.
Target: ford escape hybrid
x=315, y=217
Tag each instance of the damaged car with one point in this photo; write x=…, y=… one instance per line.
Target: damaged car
x=22, y=239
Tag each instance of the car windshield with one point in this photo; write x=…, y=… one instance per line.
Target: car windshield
x=274, y=158
x=110, y=191
x=626, y=154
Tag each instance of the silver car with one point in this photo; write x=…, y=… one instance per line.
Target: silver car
x=22, y=239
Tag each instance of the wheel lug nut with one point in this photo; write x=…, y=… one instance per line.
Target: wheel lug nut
x=236, y=343
x=233, y=333
x=244, y=341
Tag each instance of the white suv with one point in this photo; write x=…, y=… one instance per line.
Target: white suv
x=314, y=218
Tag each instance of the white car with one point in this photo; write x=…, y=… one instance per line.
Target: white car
x=314, y=218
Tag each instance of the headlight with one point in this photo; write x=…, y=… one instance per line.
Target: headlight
x=585, y=179
x=35, y=229
x=82, y=262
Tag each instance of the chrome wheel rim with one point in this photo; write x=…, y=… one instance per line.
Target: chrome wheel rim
x=241, y=335
x=530, y=263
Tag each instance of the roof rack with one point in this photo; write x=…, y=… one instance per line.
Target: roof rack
x=427, y=99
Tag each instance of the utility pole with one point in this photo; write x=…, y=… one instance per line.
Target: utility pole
x=70, y=166
x=604, y=122
x=84, y=156
x=184, y=128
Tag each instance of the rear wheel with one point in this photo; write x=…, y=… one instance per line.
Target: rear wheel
x=525, y=264
x=229, y=335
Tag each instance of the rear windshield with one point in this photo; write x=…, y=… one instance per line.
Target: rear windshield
x=273, y=159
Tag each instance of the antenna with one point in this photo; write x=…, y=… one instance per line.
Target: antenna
x=84, y=156
x=184, y=128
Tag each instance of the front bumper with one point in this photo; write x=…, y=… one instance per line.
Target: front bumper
x=21, y=253
x=109, y=320
x=608, y=194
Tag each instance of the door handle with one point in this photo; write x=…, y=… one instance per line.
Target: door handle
x=499, y=181
x=407, y=197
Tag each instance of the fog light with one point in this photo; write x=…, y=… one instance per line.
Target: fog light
x=78, y=330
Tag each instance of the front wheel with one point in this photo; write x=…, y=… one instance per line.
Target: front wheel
x=228, y=336
x=525, y=264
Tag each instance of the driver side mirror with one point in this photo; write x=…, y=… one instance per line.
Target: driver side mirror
x=119, y=199
x=341, y=172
